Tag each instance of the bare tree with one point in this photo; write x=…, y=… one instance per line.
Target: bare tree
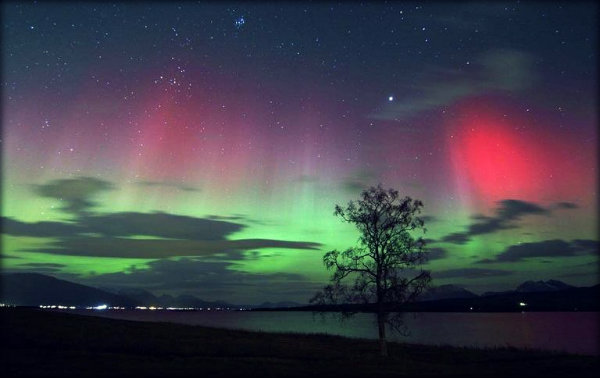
x=382, y=267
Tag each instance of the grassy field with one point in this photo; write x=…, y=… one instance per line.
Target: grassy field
x=38, y=343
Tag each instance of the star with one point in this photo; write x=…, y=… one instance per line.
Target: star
x=391, y=98
x=239, y=22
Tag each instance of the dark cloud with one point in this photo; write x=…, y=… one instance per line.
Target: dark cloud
x=160, y=248
x=3, y=256
x=470, y=273
x=76, y=193
x=503, y=70
x=39, y=229
x=106, y=236
x=593, y=273
x=41, y=267
x=227, y=217
x=456, y=238
x=204, y=278
x=437, y=254
x=237, y=217
x=167, y=184
x=132, y=234
x=429, y=218
x=354, y=185
x=546, y=248
x=566, y=205
x=512, y=209
x=508, y=211
x=588, y=245
x=159, y=225
x=359, y=181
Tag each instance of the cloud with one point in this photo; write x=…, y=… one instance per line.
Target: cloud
x=566, y=205
x=436, y=254
x=133, y=234
x=508, y=211
x=359, y=181
x=456, y=238
x=496, y=70
x=3, y=256
x=159, y=224
x=512, y=209
x=160, y=248
x=237, y=217
x=470, y=273
x=429, y=218
x=76, y=193
x=167, y=235
x=204, y=278
x=546, y=248
x=38, y=229
x=586, y=245
x=168, y=184
x=42, y=267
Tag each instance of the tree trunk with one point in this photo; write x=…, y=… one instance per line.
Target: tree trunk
x=382, y=341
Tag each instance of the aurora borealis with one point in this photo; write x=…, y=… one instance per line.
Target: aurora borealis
x=201, y=147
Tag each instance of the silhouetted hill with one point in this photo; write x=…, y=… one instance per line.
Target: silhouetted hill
x=572, y=299
x=534, y=287
x=187, y=300
x=284, y=304
x=446, y=292
x=33, y=289
x=165, y=300
x=145, y=298
x=539, y=286
x=141, y=296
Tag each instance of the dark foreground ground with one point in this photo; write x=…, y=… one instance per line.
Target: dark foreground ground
x=40, y=343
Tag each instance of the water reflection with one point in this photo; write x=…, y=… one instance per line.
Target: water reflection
x=575, y=332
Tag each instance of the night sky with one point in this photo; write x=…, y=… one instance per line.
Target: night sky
x=201, y=147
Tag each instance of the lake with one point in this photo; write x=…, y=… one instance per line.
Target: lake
x=574, y=332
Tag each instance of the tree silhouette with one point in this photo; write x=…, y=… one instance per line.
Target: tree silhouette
x=382, y=267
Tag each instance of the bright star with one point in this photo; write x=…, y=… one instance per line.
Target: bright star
x=240, y=22
x=391, y=98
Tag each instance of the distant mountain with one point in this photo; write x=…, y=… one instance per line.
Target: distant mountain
x=492, y=293
x=540, y=286
x=141, y=296
x=278, y=304
x=533, y=287
x=33, y=289
x=446, y=292
x=570, y=299
x=146, y=298
x=187, y=300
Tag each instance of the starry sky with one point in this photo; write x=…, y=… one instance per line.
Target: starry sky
x=200, y=147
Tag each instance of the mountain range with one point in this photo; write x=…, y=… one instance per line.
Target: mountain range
x=33, y=289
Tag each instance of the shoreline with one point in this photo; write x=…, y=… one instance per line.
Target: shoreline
x=41, y=343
